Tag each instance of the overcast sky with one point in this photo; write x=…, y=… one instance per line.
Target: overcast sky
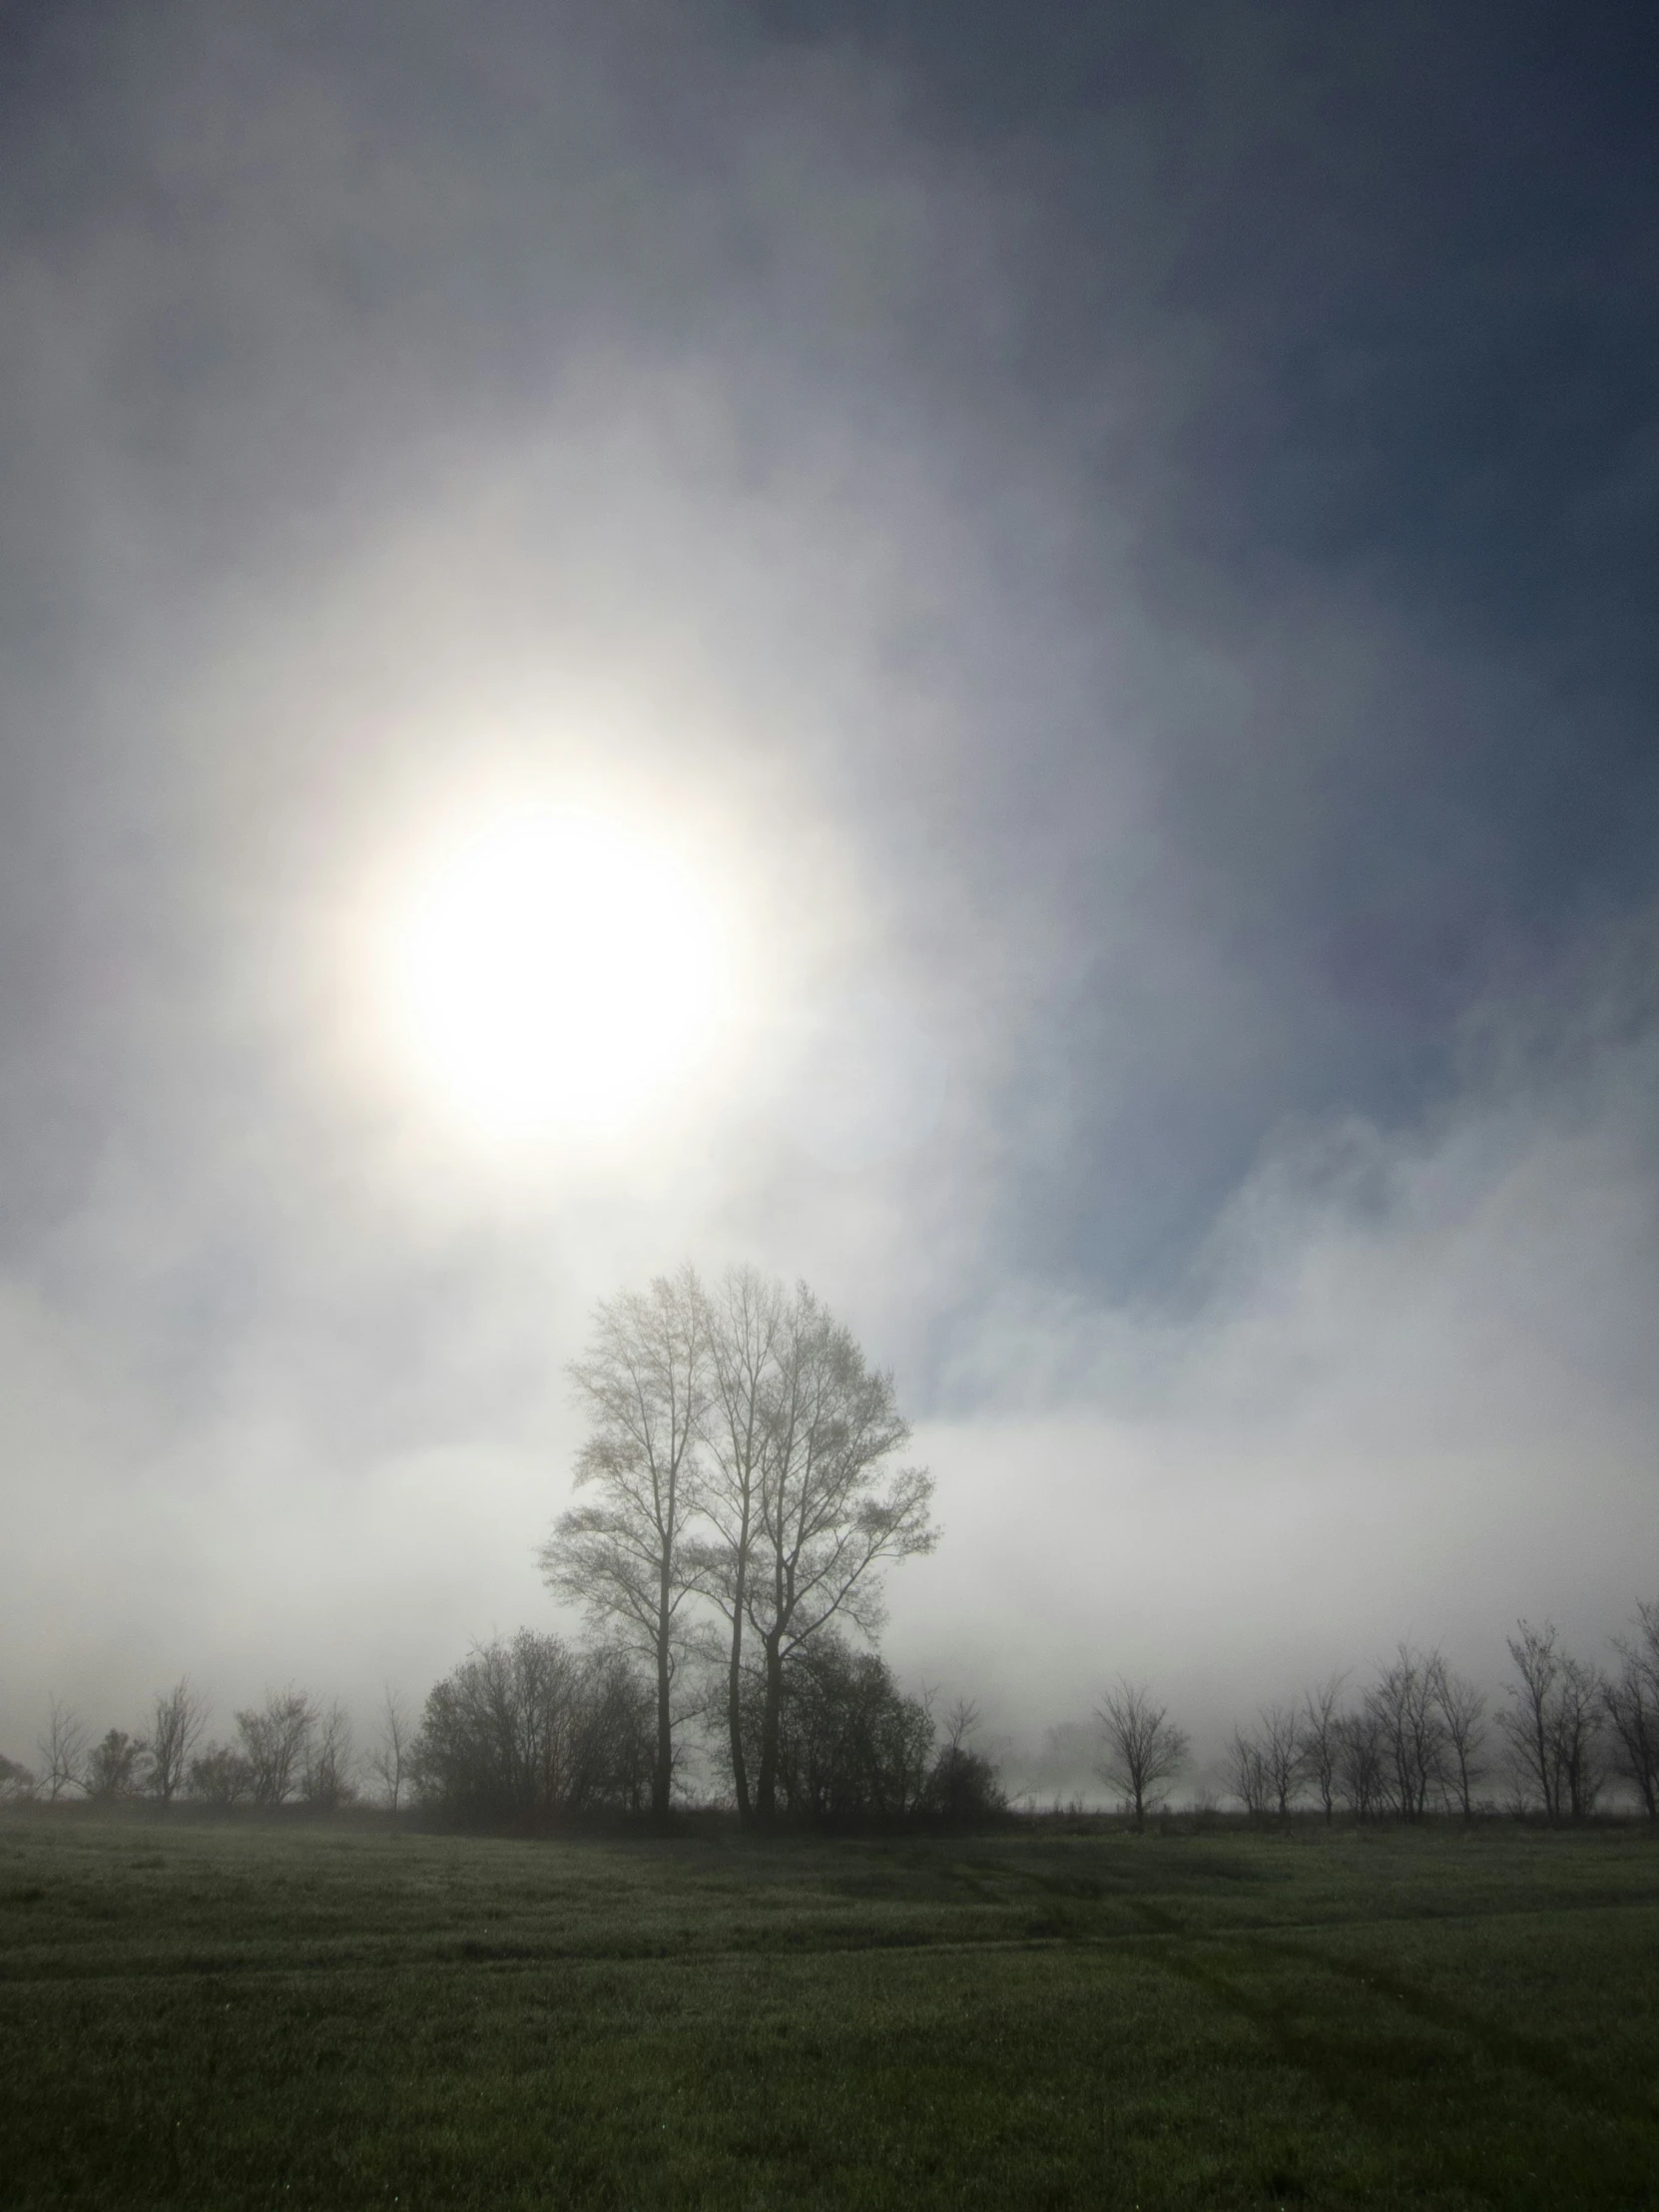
x=1118, y=543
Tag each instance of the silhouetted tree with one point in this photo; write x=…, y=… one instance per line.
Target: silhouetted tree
x=274, y=1738
x=175, y=1727
x=746, y=1324
x=17, y=1782
x=852, y=1749
x=221, y=1776
x=1247, y=1773
x=63, y=1751
x=1632, y=1702
x=1361, y=1756
x=1322, y=1739
x=1141, y=1746
x=389, y=1760
x=827, y=1524
x=1554, y=1724
x=535, y=1726
x=112, y=1766
x=1461, y=1708
x=644, y=1383
x=963, y=1789
x=1404, y=1703
x=326, y=1776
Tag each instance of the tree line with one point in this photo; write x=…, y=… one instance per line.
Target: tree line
x=1420, y=1738
x=744, y=1504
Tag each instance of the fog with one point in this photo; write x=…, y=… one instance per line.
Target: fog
x=1129, y=598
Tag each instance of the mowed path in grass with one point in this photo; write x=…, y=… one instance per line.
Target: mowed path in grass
x=308, y=2016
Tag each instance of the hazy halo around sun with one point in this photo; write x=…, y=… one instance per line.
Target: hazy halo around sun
x=553, y=970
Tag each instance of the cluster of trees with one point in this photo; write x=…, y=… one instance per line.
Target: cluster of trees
x=287, y=1749
x=1420, y=1738
x=536, y=1728
x=744, y=1504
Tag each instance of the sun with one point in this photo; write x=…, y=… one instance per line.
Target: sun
x=554, y=971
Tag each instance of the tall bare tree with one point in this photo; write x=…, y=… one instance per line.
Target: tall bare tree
x=1140, y=1746
x=1461, y=1708
x=63, y=1751
x=1555, y=1723
x=830, y=1515
x=389, y=1761
x=745, y=1329
x=644, y=1383
x=274, y=1740
x=1632, y=1700
x=1408, y=1715
x=177, y=1721
x=1322, y=1739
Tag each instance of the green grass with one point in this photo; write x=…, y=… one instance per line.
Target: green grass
x=337, y=2017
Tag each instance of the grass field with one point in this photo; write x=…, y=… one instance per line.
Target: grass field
x=227, y=2016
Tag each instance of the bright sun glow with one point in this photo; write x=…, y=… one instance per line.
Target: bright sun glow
x=556, y=972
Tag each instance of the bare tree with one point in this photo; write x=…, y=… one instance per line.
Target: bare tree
x=746, y=1320
x=1530, y=1723
x=1461, y=1709
x=274, y=1738
x=112, y=1766
x=1632, y=1704
x=1322, y=1740
x=325, y=1778
x=389, y=1762
x=175, y=1729
x=63, y=1751
x=1555, y=1724
x=1141, y=1746
x=1360, y=1761
x=1247, y=1774
x=1408, y=1720
x=623, y=1558
x=826, y=1526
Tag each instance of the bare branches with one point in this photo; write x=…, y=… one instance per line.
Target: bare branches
x=177, y=1718
x=644, y=1384
x=1141, y=1746
x=1632, y=1699
x=63, y=1751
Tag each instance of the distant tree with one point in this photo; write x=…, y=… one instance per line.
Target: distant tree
x=1322, y=1739
x=329, y=1761
x=221, y=1776
x=644, y=1383
x=1461, y=1709
x=963, y=1789
x=1555, y=1724
x=1360, y=1762
x=830, y=1516
x=1247, y=1773
x=112, y=1766
x=16, y=1781
x=176, y=1725
x=1141, y=1746
x=1632, y=1704
x=276, y=1738
x=63, y=1751
x=535, y=1726
x=1407, y=1710
x=389, y=1762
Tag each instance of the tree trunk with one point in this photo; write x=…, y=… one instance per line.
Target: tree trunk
x=661, y=1774
x=765, y=1787
x=734, y=1716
